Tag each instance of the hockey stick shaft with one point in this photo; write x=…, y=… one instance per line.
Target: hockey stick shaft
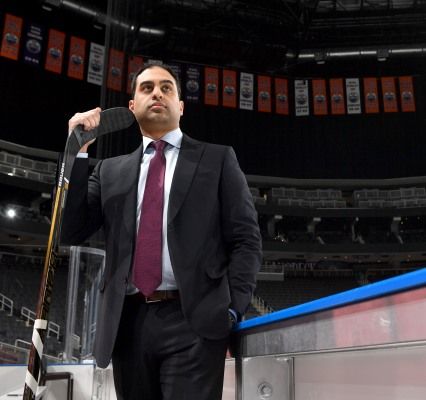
x=112, y=120
x=44, y=300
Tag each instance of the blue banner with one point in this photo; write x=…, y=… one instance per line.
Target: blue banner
x=192, y=84
x=33, y=44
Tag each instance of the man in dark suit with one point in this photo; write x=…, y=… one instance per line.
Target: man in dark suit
x=167, y=342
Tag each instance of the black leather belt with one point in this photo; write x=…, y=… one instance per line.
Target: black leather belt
x=159, y=295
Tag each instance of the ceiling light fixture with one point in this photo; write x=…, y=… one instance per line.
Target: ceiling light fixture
x=11, y=213
x=99, y=17
x=381, y=54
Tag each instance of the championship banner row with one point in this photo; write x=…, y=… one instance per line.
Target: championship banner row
x=213, y=86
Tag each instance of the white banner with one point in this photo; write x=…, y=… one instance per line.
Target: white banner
x=301, y=97
x=353, y=98
x=246, y=91
x=152, y=61
x=96, y=64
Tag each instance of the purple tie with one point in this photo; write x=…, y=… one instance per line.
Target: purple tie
x=147, y=267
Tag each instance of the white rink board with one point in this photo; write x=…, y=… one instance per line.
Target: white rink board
x=12, y=379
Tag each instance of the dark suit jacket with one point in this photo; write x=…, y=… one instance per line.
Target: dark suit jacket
x=212, y=231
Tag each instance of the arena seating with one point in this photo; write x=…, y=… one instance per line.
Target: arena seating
x=293, y=215
x=294, y=291
x=22, y=286
x=17, y=165
x=398, y=197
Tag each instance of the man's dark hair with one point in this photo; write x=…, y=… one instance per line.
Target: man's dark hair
x=148, y=66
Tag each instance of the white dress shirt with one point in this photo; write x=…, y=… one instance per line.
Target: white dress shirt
x=171, y=152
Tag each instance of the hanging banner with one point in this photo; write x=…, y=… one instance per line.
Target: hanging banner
x=192, y=83
x=246, y=91
x=177, y=70
x=11, y=37
x=77, y=58
x=371, y=96
x=33, y=44
x=353, y=98
x=115, y=70
x=281, y=96
x=229, y=92
x=337, y=97
x=390, y=103
x=134, y=64
x=301, y=97
x=264, y=94
x=151, y=61
x=211, y=86
x=96, y=64
x=319, y=93
x=406, y=90
x=55, y=51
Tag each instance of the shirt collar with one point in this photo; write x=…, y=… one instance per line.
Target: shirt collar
x=174, y=138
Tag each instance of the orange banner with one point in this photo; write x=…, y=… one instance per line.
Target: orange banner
x=55, y=51
x=77, y=58
x=337, y=97
x=320, y=97
x=229, y=93
x=211, y=84
x=133, y=66
x=115, y=69
x=406, y=90
x=11, y=37
x=281, y=96
x=264, y=103
x=371, y=96
x=389, y=94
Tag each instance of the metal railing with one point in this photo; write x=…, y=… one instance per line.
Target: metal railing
x=22, y=344
x=28, y=315
x=10, y=354
x=53, y=328
x=6, y=303
x=17, y=354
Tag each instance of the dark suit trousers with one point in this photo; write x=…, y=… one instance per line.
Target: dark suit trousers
x=157, y=356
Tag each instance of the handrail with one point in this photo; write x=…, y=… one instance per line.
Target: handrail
x=28, y=314
x=20, y=341
x=6, y=302
x=54, y=328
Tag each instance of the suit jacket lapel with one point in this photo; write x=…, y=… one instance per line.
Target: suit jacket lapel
x=129, y=178
x=187, y=163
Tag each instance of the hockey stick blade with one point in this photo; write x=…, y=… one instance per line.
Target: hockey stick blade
x=112, y=120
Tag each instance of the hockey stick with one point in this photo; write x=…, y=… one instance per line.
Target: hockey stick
x=112, y=120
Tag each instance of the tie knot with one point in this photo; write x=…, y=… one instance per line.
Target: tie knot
x=159, y=145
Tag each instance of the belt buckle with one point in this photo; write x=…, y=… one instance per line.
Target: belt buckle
x=148, y=301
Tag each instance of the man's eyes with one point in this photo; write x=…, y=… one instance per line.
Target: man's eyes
x=164, y=88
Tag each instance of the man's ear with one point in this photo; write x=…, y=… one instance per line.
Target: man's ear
x=131, y=105
x=181, y=107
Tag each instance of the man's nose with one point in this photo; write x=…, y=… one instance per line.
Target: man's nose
x=156, y=92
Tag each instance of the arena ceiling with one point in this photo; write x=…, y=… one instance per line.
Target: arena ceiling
x=259, y=35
